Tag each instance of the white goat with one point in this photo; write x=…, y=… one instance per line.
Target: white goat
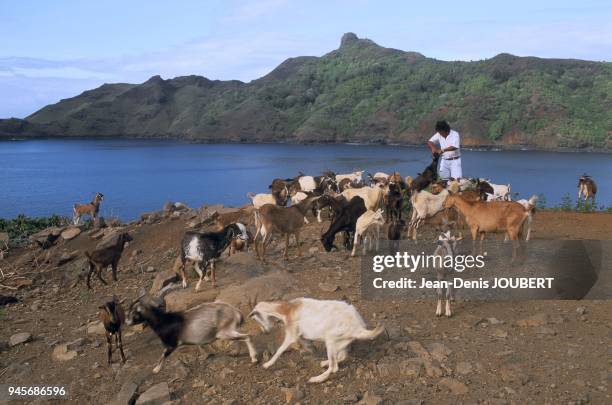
x=355, y=177
x=424, y=205
x=307, y=183
x=501, y=192
x=336, y=323
x=372, y=196
x=529, y=205
x=368, y=228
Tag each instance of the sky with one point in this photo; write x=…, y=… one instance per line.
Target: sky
x=50, y=50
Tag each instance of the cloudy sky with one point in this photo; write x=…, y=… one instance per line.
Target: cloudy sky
x=51, y=50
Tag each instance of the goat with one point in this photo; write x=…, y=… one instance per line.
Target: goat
x=90, y=209
x=587, y=188
x=394, y=234
x=494, y=216
x=495, y=192
x=283, y=220
x=372, y=196
x=242, y=215
x=113, y=318
x=429, y=175
x=367, y=228
x=106, y=256
x=447, y=246
x=345, y=184
x=237, y=244
x=335, y=203
x=300, y=196
x=344, y=221
x=379, y=178
x=259, y=200
x=354, y=177
x=282, y=189
x=202, y=248
x=424, y=205
x=529, y=205
x=202, y=324
x=336, y=323
x=393, y=202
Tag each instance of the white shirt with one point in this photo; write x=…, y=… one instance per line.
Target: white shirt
x=451, y=140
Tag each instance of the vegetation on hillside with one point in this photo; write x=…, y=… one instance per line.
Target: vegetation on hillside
x=359, y=92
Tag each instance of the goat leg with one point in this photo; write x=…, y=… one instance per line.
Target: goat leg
x=288, y=341
x=91, y=269
x=99, y=274
x=167, y=352
x=235, y=335
x=109, y=347
x=120, y=344
x=297, y=242
x=114, y=265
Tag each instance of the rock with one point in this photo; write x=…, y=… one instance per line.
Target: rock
x=369, y=398
x=513, y=373
x=269, y=287
x=387, y=368
x=8, y=299
x=96, y=328
x=312, y=250
x=411, y=367
x=327, y=287
x=494, y=321
x=66, y=257
x=455, y=386
x=76, y=344
x=430, y=368
x=150, y=269
x=99, y=222
x=581, y=310
x=61, y=353
x=182, y=299
x=126, y=395
x=535, y=320
x=19, y=338
x=47, y=237
x=71, y=232
x=157, y=394
x=499, y=333
x=463, y=367
x=96, y=234
x=136, y=252
x=293, y=394
x=151, y=217
x=168, y=207
x=543, y=330
x=162, y=279
x=439, y=351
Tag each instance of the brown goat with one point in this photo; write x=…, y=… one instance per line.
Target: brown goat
x=283, y=220
x=494, y=216
x=90, y=209
x=106, y=256
x=113, y=319
x=243, y=215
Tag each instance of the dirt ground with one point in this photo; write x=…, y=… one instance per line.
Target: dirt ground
x=541, y=352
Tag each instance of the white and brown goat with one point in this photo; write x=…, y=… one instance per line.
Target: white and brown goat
x=335, y=323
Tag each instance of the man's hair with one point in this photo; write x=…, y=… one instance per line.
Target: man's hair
x=442, y=126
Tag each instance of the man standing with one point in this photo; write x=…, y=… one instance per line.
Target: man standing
x=449, y=142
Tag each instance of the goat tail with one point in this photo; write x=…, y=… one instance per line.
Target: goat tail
x=250, y=195
x=366, y=334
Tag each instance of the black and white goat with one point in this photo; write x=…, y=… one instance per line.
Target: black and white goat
x=202, y=324
x=113, y=319
x=202, y=249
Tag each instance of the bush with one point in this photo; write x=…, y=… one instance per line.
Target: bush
x=21, y=227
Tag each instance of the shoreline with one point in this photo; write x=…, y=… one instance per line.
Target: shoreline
x=476, y=147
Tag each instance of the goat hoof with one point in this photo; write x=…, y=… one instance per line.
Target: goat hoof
x=156, y=370
x=267, y=365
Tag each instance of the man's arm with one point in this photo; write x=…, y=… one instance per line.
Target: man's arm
x=433, y=147
x=449, y=149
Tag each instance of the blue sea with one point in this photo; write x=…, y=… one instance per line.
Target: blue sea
x=47, y=176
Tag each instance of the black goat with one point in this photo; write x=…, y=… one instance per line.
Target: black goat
x=394, y=200
x=203, y=248
x=113, y=318
x=335, y=204
x=484, y=188
x=108, y=255
x=429, y=175
x=394, y=234
x=199, y=325
x=344, y=221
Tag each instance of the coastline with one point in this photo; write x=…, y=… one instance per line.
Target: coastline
x=474, y=147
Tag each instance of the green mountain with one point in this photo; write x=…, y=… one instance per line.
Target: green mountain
x=361, y=92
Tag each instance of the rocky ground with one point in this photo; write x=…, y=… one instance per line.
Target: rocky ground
x=554, y=352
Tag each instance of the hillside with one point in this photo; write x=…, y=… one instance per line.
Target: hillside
x=361, y=92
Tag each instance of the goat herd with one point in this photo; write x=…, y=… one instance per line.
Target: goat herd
x=357, y=210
